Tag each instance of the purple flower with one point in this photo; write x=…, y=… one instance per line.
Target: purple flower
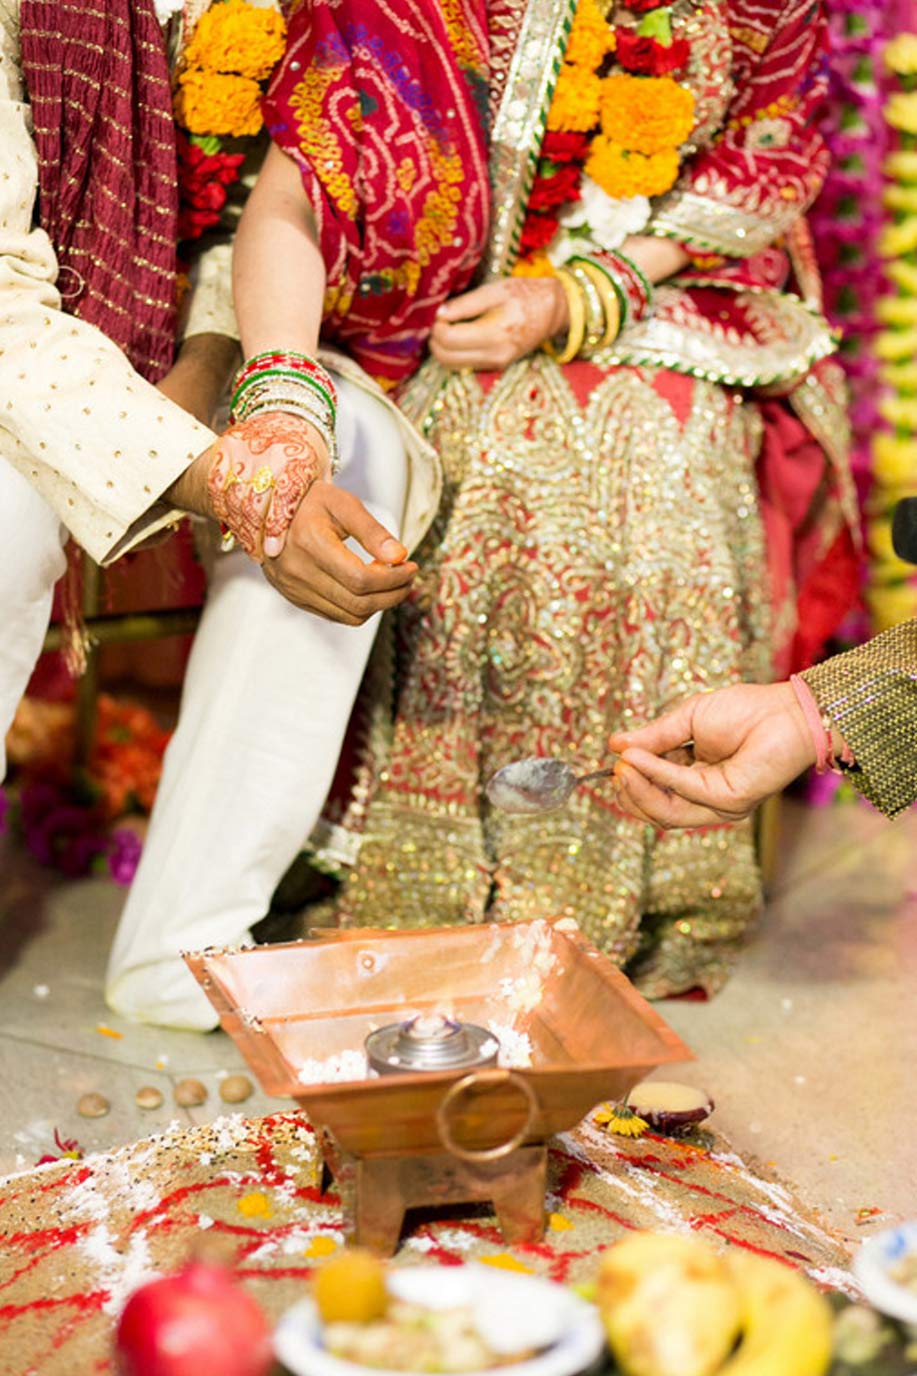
x=58, y=832
x=124, y=850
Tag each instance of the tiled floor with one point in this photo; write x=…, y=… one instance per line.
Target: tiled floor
x=810, y=1052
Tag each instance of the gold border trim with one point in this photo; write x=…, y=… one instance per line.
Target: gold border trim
x=519, y=125
x=799, y=338
x=713, y=226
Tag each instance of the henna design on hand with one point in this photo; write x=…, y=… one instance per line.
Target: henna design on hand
x=258, y=501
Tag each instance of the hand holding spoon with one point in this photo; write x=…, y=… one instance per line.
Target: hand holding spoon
x=537, y=784
x=543, y=784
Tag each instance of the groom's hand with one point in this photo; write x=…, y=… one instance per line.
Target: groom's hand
x=317, y=571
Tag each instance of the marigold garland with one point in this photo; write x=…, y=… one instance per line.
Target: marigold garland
x=218, y=103
x=237, y=37
x=217, y=95
x=646, y=114
x=632, y=119
x=575, y=107
x=621, y=172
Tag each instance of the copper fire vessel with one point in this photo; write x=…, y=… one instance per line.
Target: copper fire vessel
x=572, y=1029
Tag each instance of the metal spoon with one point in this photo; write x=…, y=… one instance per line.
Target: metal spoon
x=538, y=784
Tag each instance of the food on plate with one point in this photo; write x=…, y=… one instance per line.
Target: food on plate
x=904, y=1272
x=350, y=1288
x=672, y=1306
x=413, y=1337
x=369, y=1323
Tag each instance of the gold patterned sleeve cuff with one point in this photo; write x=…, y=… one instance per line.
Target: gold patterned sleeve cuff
x=870, y=694
x=710, y=224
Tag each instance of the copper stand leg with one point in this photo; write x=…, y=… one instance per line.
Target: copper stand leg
x=377, y=1191
x=378, y=1207
x=518, y=1199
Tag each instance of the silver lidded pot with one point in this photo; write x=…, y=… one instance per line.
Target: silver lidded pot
x=430, y=1042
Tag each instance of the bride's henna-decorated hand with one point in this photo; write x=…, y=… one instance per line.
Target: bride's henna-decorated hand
x=265, y=479
x=494, y=325
x=261, y=470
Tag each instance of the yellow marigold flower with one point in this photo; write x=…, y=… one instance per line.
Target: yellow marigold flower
x=211, y=103
x=901, y=54
x=901, y=376
x=896, y=240
x=899, y=411
x=648, y=114
x=890, y=606
x=897, y=310
x=892, y=345
x=903, y=274
x=888, y=568
x=900, y=198
x=590, y=38
x=575, y=106
x=621, y=173
x=894, y=460
x=239, y=38
x=620, y=1119
x=901, y=111
x=901, y=165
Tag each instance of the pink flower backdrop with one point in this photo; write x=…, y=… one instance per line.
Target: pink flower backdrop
x=865, y=228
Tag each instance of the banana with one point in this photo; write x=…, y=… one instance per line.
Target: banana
x=786, y=1324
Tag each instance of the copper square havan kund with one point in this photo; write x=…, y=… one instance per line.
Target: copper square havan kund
x=571, y=1025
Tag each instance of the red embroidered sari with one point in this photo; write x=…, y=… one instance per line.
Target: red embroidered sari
x=601, y=549
x=381, y=106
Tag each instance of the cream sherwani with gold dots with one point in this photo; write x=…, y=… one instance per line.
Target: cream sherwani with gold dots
x=86, y=444
x=93, y=438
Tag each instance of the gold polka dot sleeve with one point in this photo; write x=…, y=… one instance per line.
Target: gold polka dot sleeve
x=870, y=694
x=91, y=436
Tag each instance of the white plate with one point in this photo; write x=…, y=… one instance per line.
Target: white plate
x=871, y=1265
x=511, y=1308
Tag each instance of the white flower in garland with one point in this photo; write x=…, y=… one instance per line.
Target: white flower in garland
x=166, y=8
x=596, y=221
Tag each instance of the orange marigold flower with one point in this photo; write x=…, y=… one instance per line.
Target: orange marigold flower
x=646, y=113
x=212, y=103
x=622, y=173
x=591, y=36
x=238, y=38
x=575, y=106
x=539, y=265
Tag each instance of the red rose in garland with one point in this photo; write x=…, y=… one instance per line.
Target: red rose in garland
x=537, y=233
x=555, y=187
x=203, y=180
x=563, y=146
x=647, y=56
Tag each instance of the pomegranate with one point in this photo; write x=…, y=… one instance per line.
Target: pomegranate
x=196, y=1321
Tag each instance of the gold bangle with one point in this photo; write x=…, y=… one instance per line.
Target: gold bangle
x=576, y=329
x=595, y=311
x=609, y=298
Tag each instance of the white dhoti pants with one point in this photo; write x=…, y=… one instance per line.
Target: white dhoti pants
x=266, y=701
x=31, y=561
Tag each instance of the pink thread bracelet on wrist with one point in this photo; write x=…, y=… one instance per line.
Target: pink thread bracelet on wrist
x=819, y=725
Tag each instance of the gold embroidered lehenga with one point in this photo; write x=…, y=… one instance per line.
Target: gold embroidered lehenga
x=601, y=545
